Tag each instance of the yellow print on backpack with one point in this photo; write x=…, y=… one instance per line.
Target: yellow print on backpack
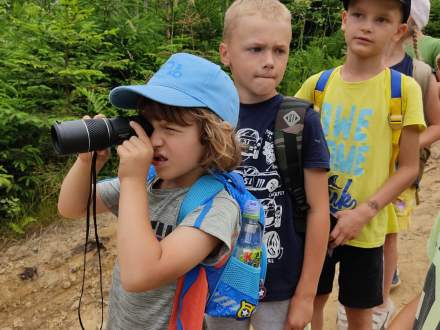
x=246, y=309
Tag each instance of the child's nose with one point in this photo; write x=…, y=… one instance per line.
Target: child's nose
x=367, y=25
x=268, y=60
x=156, y=138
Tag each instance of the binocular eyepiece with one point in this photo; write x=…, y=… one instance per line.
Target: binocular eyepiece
x=85, y=135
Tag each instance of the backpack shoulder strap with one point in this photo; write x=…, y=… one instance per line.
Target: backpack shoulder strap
x=202, y=192
x=192, y=288
x=151, y=174
x=318, y=94
x=422, y=74
x=395, y=116
x=289, y=127
x=235, y=186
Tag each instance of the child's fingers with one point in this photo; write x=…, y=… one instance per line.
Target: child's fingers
x=99, y=115
x=138, y=143
x=339, y=240
x=337, y=237
x=134, y=147
x=129, y=146
x=142, y=135
x=334, y=233
x=120, y=150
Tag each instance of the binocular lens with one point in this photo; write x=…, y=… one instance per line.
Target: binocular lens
x=85, y=135
x=76, y=136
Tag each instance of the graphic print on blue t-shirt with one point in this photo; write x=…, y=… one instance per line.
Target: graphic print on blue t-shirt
x=263, y=180
x=260, y=173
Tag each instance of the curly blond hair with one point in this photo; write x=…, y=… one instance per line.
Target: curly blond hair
x=223, y=150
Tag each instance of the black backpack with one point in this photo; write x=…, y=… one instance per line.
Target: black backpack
x=288, y=136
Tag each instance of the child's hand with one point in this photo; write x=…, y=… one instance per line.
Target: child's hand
x=349, y=224
x=103, y=155
x=135, y=154
x=300, y=313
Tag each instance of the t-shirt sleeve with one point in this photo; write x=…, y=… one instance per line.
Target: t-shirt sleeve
x=307, y=89
x=412, y=104
x=221, y=221
x=315, y=151
x=108, y=190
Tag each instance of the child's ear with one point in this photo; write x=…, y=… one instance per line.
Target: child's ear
x=343, y=20
x=224, y=54
x=401, y=32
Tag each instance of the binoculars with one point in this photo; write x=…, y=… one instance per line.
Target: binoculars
x=85, y=135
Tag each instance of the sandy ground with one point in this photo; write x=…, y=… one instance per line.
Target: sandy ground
x=46, y=295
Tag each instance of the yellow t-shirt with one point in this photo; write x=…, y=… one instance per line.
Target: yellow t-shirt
x=354, y=117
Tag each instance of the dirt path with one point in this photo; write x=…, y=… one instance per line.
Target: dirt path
x=49, y=299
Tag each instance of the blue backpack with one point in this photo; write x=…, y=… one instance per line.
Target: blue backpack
x=230, y=288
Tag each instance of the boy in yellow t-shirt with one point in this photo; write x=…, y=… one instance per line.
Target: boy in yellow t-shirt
x=354, y=115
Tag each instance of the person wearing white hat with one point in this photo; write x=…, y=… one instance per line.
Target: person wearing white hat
x=420, y=12
x=425, y=48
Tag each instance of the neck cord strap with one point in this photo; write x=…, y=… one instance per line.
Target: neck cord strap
x=92, y=200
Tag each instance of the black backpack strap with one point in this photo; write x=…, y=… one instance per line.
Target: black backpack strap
x=288, y=133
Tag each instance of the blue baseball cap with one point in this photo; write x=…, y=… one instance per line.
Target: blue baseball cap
x=185, y=80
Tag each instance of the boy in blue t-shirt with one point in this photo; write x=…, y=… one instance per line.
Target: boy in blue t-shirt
x=257, y=36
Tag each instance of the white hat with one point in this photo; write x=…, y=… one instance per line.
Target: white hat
x=420, y=12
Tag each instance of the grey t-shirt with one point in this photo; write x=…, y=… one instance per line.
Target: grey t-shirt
x=152, y=309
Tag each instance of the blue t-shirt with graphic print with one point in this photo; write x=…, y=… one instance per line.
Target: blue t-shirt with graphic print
x=260, y=172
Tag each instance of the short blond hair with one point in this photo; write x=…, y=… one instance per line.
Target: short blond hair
x=223, y=150
x=269, y=9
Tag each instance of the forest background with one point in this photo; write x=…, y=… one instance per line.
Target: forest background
x=60, y=58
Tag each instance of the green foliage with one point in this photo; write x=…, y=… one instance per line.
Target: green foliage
x=59, y=59
x=313, y=19
x=19, y=227
x=320, y=54
x=47, y=55
x=433, y=27
x=21, y=152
